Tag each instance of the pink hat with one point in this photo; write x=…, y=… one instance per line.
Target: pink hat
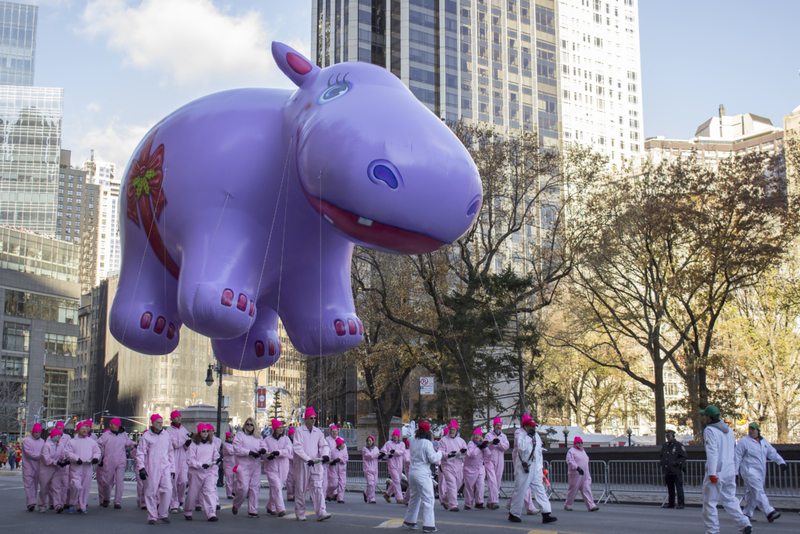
x=174, y=414
x=36, y=428
x=396, y=432
x=290, y=431
x=310, y=412
x=155, y=417
x=106, y=430
x=276, y=424
x=228, y=434
x=527, y=420
x=115, y=421
x=60, y=424
x=55, y=432
x=373, y=438
x=80, y=425
x=339, y=441
x=478, y=431
x=497, y=421
x=577, y=440
x=453, y=424
x=201, y=427
x=425, y=426
x=334, y=427
x=210, y=427
x=88, y=422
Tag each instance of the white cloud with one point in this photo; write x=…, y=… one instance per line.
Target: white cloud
x=186, y=41
x=92, y=107
x=112, y=142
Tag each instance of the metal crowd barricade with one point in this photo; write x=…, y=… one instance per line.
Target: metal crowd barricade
x=558, y=476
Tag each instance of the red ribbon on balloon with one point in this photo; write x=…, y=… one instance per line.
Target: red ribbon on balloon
x=145, y=179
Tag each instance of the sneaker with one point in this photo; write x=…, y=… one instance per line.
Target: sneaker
x=198, y=508
x=281, y=514
x=679, y=507
x=290, y=499
x=117, y=507
x=386, y=496
x=747, y=530
x=235, y=510
x=410, y=526
x=59, y=509
x=218, y=508
x=151, y=522
x=467, y=507
x=301, y=518
x=104, y=504
x=665, y=505
x=187, y=517
x=42, y=511
x=596, y=508
x=72, y=509
x=213, y=518
x=372, y=502
x=52, y=507
x=454, y=509
x=270, y=512
x=480, y=506
x=342, y=502
x=165, y=520
x=514, y=519
x=82, y=512
x=547, y=518
x=323, y=517
x=533, y=512
x=365, y=496
x=230, y=496
x=31, y=507
x=773, y=515
x=144, y=507
x=430, y=529
x=567, y=508
x=174, y=510
x=252, y=516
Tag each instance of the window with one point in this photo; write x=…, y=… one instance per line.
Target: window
x=16, y=336
x=32, y=306
x=55, y=398
x=57, y=344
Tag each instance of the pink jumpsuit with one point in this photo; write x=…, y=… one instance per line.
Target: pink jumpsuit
x=203, y=485
x=50, y=474
x=518, y=435
x=178, y=435
x=577, y=458
x=495, y=464
x=395, y=466
x=337, y=474
x=452, y=469
x=277, y=470
x=249, y=471
x=62, y=442
x=290, y=477
x=80, y=477
x=228, y=461
x=31, y=452
x=369, y=456
x=309, y=445
x=114, y=448
x=474, y=474
x=140, y=484
x=156, y=456
x=100, y=471
x=218, y=446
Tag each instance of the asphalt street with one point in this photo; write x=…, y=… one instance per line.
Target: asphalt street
x=356, y=516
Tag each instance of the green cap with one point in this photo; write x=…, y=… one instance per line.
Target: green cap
x=710, y=410
x=755, y=425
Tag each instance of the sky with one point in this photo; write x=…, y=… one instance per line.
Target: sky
x=125, y=64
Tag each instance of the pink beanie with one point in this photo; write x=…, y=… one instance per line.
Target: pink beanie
x=210, y=428
x=339, y=441
x=174, y=414
x=453, y=424
x=334, y=427
x=527, y=420
x=291, y=430
x=478, y=431
x=276, y=424
x=36, y=428
x=425, y=426
x=60, y=424
x=201, y=427
x=497, y=421
x=228, y=434
x=310, y=412
x=115, y=421
x=396, y=432
x=577, y=440
x=88, y=423
x=155, y=417
x=55, y=432
x=373, y=438
x=80, y=425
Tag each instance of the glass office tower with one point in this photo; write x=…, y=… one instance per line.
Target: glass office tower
x=17, y=43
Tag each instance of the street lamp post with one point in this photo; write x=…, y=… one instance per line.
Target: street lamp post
x=209, y=381
x=566, y=433
x=629, y=432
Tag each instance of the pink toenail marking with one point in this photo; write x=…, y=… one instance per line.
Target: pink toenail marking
x=146, y=318
x=340, y=331
x=360, y=328
x=252, y=308
x=352, y=326
x=259, y=348
x=272, y=348
x=171, y=331
x=242, y=304
x=160, y=324
x=227, y=297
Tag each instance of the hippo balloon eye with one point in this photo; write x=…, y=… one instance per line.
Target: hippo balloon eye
x=335, y=90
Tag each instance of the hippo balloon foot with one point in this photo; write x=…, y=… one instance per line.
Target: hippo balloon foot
x=148, y=331
x=257, y=349
x=335, y=333
x=217, y=310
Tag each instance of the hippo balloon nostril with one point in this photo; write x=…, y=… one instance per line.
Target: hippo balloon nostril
x=383, y=171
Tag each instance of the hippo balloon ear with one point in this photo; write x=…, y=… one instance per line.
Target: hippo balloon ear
x=293, y=64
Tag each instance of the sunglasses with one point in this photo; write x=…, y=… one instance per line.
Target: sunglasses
x=249, y=424
x=314, y=418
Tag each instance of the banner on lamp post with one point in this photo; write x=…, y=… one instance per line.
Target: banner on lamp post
x=262, y=399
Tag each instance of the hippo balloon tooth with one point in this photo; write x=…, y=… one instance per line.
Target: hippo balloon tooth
x=244, y=206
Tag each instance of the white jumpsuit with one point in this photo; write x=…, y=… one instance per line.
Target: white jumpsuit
x=532, y=479
x=420, y=484
x=751, y=464
x=719, y=462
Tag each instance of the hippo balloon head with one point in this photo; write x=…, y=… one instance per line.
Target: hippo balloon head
x=373, y=160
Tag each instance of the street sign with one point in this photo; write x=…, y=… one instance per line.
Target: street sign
x=426, y=385
x=262, y=399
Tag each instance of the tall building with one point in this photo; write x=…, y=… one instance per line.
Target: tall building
x=791, y=129
x=41, y=294
x=18, y=40
x=569, y=69
x=108, y=246
x=31, y=128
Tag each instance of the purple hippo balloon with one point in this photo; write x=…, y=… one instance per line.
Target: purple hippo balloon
x=244, y=206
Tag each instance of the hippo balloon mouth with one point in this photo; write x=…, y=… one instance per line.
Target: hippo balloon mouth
x=373, y=232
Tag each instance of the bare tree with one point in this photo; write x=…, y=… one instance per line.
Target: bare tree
x=11, y=393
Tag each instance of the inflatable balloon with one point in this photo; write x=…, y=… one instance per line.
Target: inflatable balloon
x=244, y=206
